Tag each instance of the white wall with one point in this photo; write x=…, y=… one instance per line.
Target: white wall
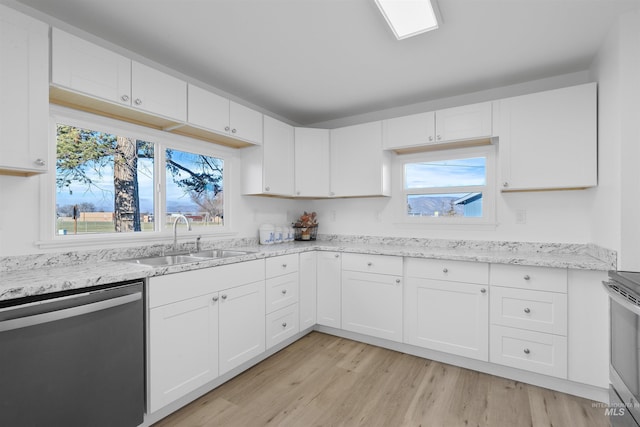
x=615, y=221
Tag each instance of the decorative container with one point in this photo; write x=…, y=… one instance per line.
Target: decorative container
x=306, y=233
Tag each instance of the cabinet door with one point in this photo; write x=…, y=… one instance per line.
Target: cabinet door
x=73, y=66
x=372, y=304
x=24, y=76
x=555, y=130
x=329, y=289
x=208, y=110
x=183, y=348
x=311, y=162
x=245, y=123
x=446, y=316
x=307, y=289
x=359, y=166
x=277, y=157
x=242, y=325
x=157, y=92
x=409, y=131
x=466, y=122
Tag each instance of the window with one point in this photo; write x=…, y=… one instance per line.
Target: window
x=453, y=186
x=132, y=180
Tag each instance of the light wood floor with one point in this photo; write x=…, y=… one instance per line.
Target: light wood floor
x=322, y=380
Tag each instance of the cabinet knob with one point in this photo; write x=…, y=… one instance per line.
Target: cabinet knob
x=526, y=277
x=267, y=188
x=284, y=265
x=505, y=184
x=138, y=101
x=40, y=162
x=233, y=131
x=125, y=98
x=398, y=281
x=337, y=255
x=215, y=298
x=483, y=290
x=527, y=310
x=297, y=193
x=227, y=128
x=527, y=351
x=224, y=296
x=284, y=324
x=438, y=137
x=430, y=139
x=369, y=264
x=445, y=270
x=284, y=292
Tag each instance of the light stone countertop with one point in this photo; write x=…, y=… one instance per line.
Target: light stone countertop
x=53, y=276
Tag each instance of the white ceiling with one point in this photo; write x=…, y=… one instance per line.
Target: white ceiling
x=316, y=60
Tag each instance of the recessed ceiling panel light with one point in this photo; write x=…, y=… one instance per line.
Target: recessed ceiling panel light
x=408, y=18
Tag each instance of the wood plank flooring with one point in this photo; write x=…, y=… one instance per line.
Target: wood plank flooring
x=322, y=380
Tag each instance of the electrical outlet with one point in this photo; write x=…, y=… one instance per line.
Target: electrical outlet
x=521, y=216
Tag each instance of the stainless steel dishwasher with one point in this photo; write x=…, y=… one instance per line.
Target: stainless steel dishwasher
x=73, y=358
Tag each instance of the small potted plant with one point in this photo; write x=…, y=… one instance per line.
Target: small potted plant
x=306, y=228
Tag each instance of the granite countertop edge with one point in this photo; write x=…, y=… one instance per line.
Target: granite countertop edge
x=44, y=280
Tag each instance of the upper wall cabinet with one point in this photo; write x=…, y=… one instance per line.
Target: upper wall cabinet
x=268, y=169
x=312, y=162
x=548, y=140
x=359, y=166
x=443, y=126
x=24, y=110
x=117, y=79
x=213, y=112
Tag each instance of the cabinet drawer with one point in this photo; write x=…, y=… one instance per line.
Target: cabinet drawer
x=455, y=271
x=525, y=277
x=285, y=264
x=281, y=291
x=532, y=310
x=380, y=264
x=532, y=351
x=281, y=325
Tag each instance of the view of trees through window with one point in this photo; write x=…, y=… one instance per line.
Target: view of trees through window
x=105, y=184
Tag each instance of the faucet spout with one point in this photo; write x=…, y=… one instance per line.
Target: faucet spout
x=175, y=229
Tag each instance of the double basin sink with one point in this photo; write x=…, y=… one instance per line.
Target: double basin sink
x=163, y=260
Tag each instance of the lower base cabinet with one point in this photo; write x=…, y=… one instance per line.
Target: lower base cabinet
x=329, y=288
x=181, y=362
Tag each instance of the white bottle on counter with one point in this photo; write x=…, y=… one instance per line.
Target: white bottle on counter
x=267, y=234
x=277, y=237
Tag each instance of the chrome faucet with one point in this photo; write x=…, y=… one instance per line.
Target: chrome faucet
x=175, y=230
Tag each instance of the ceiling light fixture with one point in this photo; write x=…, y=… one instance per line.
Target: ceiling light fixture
x=408, y=18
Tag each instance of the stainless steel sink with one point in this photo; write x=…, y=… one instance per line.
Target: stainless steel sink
x=219, y=253
x=168, y=260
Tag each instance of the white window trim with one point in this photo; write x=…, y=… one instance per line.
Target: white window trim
x=163, y=140
x=489, y=217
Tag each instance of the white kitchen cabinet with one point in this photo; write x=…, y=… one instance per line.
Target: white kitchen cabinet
x=312, y=162
x=73, y=66
x=269, y=169
x=307, y=289
x=548, y=140
x=452, y=124
x=529, y=318
x=329, y=289
x=183, y=343
x=213, y=112
x=118, y=80
x=242, y=324
x=157, y=92
x=359, y=165
x=447, y=315
x=24, y=110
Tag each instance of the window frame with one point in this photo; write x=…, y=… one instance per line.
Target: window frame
x=488, y=190
x=162, y=141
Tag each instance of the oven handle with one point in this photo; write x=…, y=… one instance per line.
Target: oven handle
x=22, y=322
x=608, y=286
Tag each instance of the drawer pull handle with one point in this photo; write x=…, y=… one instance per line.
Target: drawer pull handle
x=483, y=290
x=527, y=310
x=284, y=292
x=369, y=263
x=445, y=270
x=284, y=265
x=527, y=351
x=284, y=324
x=398, y=281
x=224, y=296
x=527, y=277
x=215, y=299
